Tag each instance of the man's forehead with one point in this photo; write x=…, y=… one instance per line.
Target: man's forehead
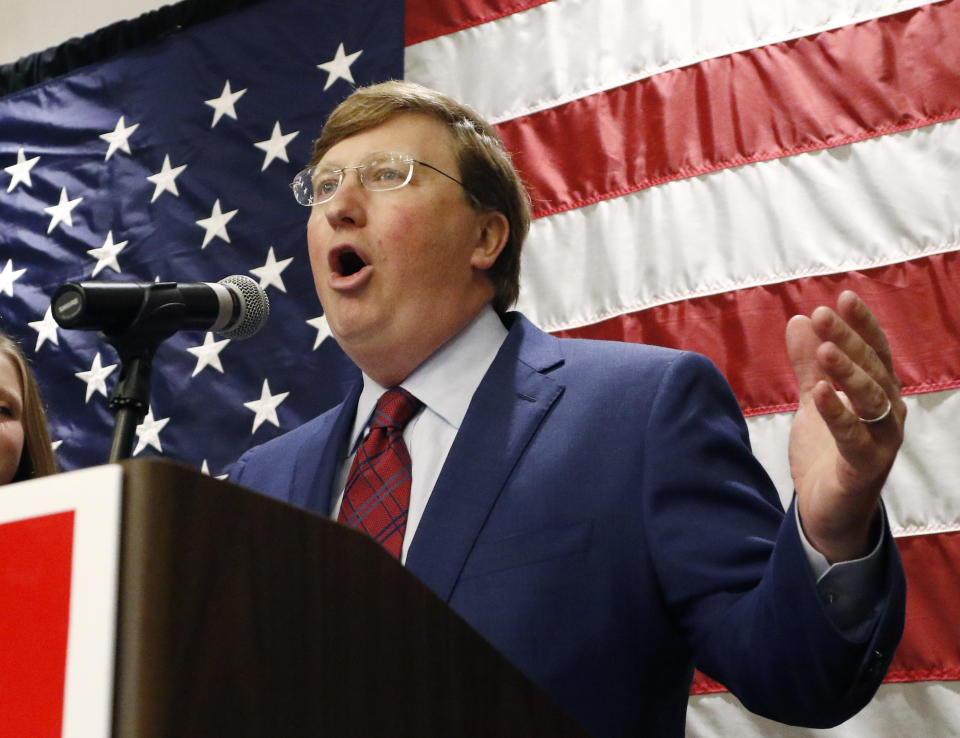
x=416, y=134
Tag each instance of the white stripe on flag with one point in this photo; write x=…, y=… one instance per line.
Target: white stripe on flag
x=560, y=51
x=825, y=212
x=920, y=494
x=927, y=709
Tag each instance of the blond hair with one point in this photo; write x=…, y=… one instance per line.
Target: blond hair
x=486, y=170
x=37, y=457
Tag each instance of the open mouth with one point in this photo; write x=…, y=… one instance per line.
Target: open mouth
x=350, y=263
x=345, y=261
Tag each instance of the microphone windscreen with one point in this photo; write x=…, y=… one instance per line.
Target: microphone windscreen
x=253, y=307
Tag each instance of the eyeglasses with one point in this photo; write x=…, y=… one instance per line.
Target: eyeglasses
x=378, y=173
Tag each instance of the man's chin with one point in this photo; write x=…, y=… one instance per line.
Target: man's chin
x=350, y=329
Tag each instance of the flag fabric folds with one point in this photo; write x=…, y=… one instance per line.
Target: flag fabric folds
x=700, y=172
x=173, y=162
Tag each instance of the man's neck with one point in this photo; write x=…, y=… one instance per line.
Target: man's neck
x=389, y=365
x=446, y=381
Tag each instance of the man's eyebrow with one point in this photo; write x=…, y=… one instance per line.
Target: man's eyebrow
x=336, y=164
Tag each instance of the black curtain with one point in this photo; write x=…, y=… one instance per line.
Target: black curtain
x=110, y=41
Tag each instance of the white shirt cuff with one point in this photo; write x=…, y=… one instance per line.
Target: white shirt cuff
x=849, y=590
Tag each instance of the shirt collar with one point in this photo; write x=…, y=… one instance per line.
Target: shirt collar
x=446, y=382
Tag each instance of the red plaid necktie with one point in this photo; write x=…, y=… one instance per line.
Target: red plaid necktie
x=377, y=494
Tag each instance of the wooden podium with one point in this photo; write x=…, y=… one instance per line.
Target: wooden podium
x=198, y=608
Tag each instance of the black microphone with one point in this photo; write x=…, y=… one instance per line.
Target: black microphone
x=235, y=307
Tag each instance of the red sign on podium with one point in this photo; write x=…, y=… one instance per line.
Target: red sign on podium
x=59, y=544
x=34, y=618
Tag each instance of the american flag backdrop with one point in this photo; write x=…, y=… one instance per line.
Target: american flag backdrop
x=700, y=173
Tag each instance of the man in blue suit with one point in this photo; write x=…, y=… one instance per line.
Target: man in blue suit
x=593, y=509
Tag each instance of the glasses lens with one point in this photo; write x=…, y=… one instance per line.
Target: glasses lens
x=311, y=187
x=324, y=184
x=386, y=171
x=302, y=189
x=378, y=172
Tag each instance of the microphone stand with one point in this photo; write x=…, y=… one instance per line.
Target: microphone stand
x=158, y=318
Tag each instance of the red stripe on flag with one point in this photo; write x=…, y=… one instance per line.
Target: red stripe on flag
x=829, y=89
x=743, y=331
x=426, y=19
x=930, y=648
x=702, y=684
x=34, y=617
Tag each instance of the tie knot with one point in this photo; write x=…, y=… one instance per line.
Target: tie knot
x=394, y=409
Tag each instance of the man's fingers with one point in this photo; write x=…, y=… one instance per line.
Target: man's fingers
x=802, y=344
x=845, y=349
x=840, y=419
x=861, y=319
x=862, y=351
x=867, y=397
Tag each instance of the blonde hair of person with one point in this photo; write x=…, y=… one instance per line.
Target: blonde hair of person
x=36, y=460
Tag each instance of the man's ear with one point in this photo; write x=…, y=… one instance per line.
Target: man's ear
x=492, y=237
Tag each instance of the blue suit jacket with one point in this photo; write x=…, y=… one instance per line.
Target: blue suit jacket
x=601, y=520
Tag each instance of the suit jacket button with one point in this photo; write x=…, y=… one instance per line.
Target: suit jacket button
x=875, y=663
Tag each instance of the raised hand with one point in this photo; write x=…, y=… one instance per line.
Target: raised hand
x=849, y=426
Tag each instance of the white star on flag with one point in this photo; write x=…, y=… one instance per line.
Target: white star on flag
x=223, y=105
x=216, y=224
x=8, y=276
x=20, y=172
x=269, y=273
x=323, y=329
x=46, y=329
x=118, y=138
x=265, y=408
x=165, y=179
x=276, y=146
x=55, y=445
x=339, y=66
x=205, y=469
x=106, y=255
x=208, y=354
x=61, y=212
x=96, y=377
x=148, y=432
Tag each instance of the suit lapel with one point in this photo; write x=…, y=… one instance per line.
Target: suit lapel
x=507, y=409
x=318, y=460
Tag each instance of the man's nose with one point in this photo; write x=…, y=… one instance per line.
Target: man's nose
x=347, y=205
x=348, y=181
